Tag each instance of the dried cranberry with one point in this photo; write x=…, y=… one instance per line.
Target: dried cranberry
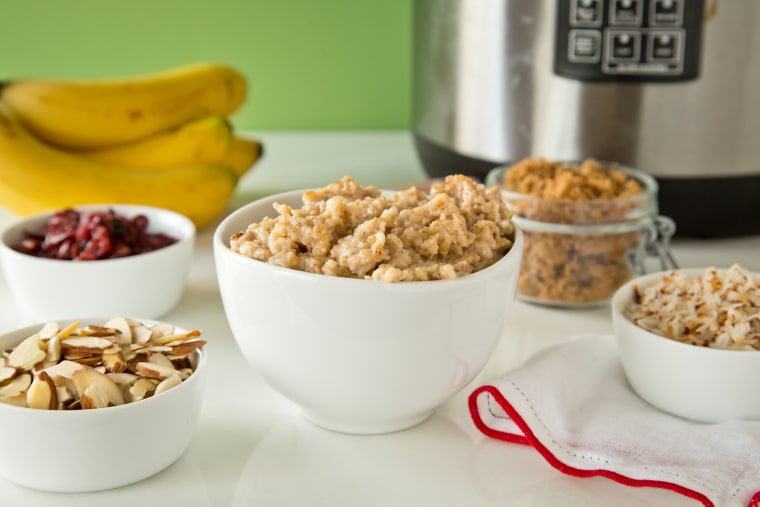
x=91, y=235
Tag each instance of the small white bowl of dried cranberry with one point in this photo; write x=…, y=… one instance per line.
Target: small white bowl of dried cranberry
x=98, y=260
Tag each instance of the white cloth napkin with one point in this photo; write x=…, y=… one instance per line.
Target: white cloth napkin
x=573, y=404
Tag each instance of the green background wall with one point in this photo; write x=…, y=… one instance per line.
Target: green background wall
x=311, y=64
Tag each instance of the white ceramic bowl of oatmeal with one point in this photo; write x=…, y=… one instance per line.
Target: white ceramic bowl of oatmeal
x=357, y=355
x=687, y=375
x=77, y=450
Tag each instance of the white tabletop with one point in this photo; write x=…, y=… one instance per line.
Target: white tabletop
x=252, y=447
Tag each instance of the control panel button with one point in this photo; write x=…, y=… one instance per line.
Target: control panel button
x=586, y=13
x=585, y=46
x=664, y=46
x=666, y=12
x=626, y=12
x=623, y=46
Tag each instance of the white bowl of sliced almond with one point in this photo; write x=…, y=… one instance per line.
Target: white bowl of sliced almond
x=93, y=404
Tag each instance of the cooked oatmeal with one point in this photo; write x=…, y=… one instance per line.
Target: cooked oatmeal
x=344, y=229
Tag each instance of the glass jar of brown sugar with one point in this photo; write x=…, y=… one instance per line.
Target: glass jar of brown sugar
x=588, y=227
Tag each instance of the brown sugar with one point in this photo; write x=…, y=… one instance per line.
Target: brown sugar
x=573, y=265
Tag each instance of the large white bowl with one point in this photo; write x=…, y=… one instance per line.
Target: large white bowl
x=97, y=449
x=699, y=383
x=356, y=355
x=149, y=284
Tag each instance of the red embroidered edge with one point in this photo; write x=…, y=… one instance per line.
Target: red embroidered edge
x=529, y=438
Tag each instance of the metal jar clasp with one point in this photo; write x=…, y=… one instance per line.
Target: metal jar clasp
x=654, y=243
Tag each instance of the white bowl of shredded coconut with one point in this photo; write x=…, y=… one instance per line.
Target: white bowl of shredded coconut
x=689, y=341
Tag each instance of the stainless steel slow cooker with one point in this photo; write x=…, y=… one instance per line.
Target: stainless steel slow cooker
x=671, y=87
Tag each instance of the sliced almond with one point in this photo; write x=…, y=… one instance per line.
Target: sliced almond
x=168, y=383
x=68, y=330
x=27, y=353
x=160, y=330
x=88, y=403
x=49, y=330
x=54, y=349
x=142, y=388
x=77, y=353
x=147, y=369
x=141, y=334
x=114, y=362
x=7, y=372
x=158, y=348
x=122, y=325
x=42, y=393
x=84, y=357
x=19, y=401
x=129, y=354
x=96, y=330
x=124, y=379
x=161, y=360
x=96, y=390
x=43, y=365
x=179, y=338
x=64, y=395
x=17, y=386
x=91, y=343
x=63, y=370
x=96, y=396
x=187, y=347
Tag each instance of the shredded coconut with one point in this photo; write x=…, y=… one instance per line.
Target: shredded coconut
x=718, y=309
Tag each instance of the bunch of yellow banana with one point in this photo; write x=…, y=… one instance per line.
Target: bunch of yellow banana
x=161, y=140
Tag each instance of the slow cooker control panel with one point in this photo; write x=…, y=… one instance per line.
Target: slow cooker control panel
x=628, y=40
